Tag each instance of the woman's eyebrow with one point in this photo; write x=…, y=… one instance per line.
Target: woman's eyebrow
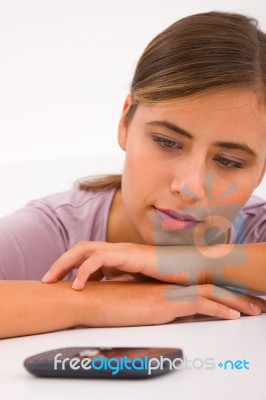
x=238, y=146
x=171, y=127
x=226, y=145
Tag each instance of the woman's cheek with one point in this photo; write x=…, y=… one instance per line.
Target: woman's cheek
x=235, y=190
x=142, y=168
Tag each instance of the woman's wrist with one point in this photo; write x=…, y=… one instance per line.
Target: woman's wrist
x=74, y=303
x=197, y=265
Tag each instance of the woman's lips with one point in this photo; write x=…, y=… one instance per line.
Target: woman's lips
x=170, y=221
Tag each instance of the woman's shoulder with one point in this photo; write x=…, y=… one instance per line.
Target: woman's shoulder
x=83, y=214
x=254, y=204
x=74, y=198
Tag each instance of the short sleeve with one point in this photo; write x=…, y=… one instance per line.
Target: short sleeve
x=255, y=220
x=260, y=228
x=250, y=224
x=31, y=239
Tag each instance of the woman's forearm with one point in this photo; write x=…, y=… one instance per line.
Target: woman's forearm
x=240, y=265
x=30, y=307
x=251, y=273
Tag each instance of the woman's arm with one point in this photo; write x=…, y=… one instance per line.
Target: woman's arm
x=30, y=307
x=241, y=265
x=27, y=307
x=251, y=272
x=238, y=265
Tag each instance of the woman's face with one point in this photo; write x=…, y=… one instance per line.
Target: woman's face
x=202, y=156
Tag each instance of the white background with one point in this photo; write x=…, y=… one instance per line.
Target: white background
x=65, y=70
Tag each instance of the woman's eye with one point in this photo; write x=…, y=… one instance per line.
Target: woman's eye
x=167, y=143
x=229, y=163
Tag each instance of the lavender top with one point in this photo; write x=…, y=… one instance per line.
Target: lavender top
x=33, y=237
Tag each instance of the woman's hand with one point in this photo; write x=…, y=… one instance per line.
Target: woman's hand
x=95, y=260
x=150, y=303
x=172, y=264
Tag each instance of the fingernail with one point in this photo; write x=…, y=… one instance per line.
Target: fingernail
x=46, y=276
x=234, y=313
x=75, y=283
x=255, y=308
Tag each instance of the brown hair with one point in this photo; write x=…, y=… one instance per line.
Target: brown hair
x=199, y=53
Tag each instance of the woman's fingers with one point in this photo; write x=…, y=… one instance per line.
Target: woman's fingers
x=80, y=253
x=97, y=260
x=86, y=269
x=71, y=259
x=205, y=306
x=244, y=303
x=90, y=261
x=223, y=299
x=197, y=299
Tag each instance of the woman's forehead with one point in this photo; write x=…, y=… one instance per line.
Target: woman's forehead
x=223, y=99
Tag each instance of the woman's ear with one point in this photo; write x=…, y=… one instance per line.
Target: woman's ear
x=123, y=123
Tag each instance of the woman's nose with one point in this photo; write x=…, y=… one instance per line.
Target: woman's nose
x=192, y=181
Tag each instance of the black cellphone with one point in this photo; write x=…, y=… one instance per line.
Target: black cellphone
x=105, y=362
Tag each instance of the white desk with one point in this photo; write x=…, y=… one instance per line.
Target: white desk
x=236, y=340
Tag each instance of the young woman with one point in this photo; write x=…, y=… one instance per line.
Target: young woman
x=179, y=232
